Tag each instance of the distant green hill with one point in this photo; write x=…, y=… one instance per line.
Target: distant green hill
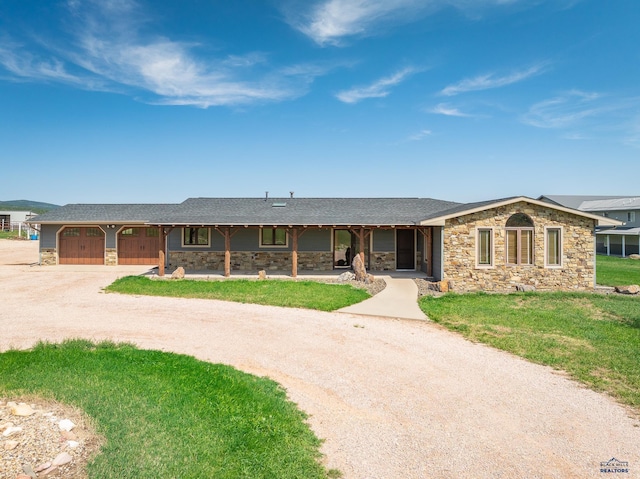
x=26, y=205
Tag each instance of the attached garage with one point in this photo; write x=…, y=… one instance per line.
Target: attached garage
x=138, y=246
x=81, y=245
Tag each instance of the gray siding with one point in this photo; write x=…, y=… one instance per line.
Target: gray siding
x=384, y=240
x=437, y=253
x=48, y=236
x=315, y=240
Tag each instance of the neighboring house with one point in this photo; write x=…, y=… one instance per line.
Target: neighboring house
x=493, y=245
x=621, y=240
x=9, y=218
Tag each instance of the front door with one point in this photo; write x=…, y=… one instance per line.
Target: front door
x=405, y=249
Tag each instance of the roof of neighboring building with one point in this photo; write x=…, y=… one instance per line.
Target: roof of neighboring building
x=579, y=202
x=626, y=203
x=620, y=231
x=302, y=211
x=469, y=208
x=101, y=213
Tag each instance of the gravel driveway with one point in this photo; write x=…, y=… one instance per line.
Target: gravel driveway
x=392, y=398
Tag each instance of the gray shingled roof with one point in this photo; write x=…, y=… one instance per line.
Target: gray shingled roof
x=101, y=213
x=574, y=201
x=302, y=211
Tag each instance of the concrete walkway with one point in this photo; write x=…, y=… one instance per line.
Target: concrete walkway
x=398, y=300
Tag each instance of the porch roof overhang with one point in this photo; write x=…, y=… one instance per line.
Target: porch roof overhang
x=467, y=209
x=620, y=231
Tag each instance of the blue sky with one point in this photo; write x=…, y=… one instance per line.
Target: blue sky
x=123, y=101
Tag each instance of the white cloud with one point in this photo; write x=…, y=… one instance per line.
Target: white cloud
x=564, y=111
x=447, y=110
x=489, y=81
x=110, y=51
x=422, y=134
x=328, y=22
x=379, y=89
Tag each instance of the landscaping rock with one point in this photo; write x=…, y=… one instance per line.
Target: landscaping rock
x=61, y=459
x=525, y=287
x=178, y=273
x=10, y=445
x=262, y=274
x=10, y=431
x=346, y=276
x=359, y=269
x=21, y=409
x=66, y=425
x=634, y=256
x=631, y=289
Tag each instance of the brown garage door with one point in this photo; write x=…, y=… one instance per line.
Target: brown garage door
x=81, y=246
x=139, y=246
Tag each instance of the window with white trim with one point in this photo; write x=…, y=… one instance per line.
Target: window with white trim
x=631, y=216
x=519, y=230
x=273, y=237
x=484, y=247
x=195, y=236
x=553, y=246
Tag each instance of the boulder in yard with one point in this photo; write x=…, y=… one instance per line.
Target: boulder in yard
x=631, y=289
x=178, y=273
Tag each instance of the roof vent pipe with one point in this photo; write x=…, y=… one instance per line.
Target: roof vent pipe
x=291, y=194
x=266, y=195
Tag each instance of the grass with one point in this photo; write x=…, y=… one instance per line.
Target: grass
x=12, y=234
x=614, y=271
x=293, y=294
x=166, y=415
x=595, y=338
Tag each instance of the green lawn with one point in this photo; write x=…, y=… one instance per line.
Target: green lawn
x=293, y=294
x=595, y=338
x=614, y=271
x=12, y=234
x=170, y=416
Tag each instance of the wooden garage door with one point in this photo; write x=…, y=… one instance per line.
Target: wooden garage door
x=139, y=246
x=81, y=246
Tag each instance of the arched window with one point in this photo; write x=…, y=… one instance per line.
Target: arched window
x=519, y=239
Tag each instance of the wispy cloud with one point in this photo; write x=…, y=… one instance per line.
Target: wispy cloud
x=110, y=52
x=581, y=115
x=379, y=89
x=564, y=110
x=421, y=135
x=447, y=110
x=492, y=80
x=329, y=22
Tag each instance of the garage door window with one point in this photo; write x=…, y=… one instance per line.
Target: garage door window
x=69, y=232
x=94, y=232
x=130, y=232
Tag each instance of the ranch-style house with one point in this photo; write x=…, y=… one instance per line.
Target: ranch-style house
x=491, y=245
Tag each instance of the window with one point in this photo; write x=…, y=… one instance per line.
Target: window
x=484, y=247
x=273, y=237
x=519, y=229
x=195, y=237
x=153, y=232
x=631, y=216
x=71, y=232
x=94, y=232
x=130, y=232
x=553, y=247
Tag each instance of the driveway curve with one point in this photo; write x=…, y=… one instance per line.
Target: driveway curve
x=391, y=398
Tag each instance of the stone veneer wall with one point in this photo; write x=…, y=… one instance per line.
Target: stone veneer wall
x=111, y=257
x=578, y=255
x=251, y=261
x=383, y=260
x=48, y=257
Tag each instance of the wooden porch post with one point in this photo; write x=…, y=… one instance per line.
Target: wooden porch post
x=361, y=244
x=428, y=239
x=294, y=253
x=161, y=253
x=227, y=252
